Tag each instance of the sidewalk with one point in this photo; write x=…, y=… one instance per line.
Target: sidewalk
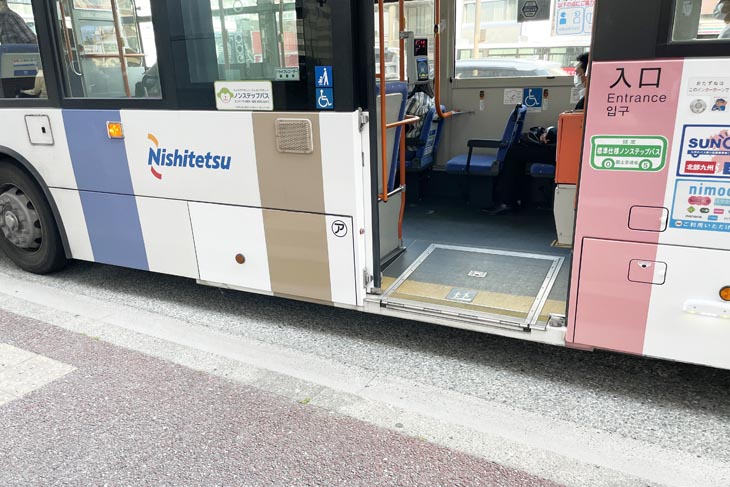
x=90, y=413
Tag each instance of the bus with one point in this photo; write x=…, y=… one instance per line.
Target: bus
x=249, y=145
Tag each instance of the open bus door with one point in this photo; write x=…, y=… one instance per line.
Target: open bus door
x=459, y=278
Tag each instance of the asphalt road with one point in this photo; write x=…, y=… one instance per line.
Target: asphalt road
x=678, y=408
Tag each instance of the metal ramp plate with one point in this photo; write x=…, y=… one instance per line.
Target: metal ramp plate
x=482, y=285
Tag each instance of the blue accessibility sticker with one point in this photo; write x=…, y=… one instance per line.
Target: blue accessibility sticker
x=532, y=98
x=325, y=98
x=323, y=77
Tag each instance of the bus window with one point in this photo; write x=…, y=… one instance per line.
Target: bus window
x=21, y=75
x=242, y=40
x=494, y=40
x=108, y=49
x=701, y=20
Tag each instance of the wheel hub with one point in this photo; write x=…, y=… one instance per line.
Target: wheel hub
x=19, y=222
x=11, y=221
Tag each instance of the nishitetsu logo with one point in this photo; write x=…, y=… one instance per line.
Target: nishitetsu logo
x=163, y=157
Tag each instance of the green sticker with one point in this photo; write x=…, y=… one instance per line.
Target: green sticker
x=628, y=153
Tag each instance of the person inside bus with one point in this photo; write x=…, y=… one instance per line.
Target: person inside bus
x=38, y=90
x=580, y=80
x=722, y=12
x=420, y=102
x=538, y=146
x=13, y=29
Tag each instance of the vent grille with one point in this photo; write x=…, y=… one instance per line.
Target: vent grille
x=294, y=136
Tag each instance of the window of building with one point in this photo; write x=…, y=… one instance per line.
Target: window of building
x=503, y=45
x=21, y=73
x=108, y=49
x=701, y=20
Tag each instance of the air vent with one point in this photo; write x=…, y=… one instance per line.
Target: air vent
x=294, y=135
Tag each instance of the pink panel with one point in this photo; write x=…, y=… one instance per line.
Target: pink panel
x=607, y=196
x=612, y=310
x=648, y=218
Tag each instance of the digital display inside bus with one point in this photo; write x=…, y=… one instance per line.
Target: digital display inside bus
x=420, y=47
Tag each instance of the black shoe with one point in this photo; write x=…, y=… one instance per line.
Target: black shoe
x=500, y=209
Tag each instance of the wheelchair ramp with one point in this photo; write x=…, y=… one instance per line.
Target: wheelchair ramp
x=479, y=285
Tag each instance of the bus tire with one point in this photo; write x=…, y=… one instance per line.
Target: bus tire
x=29, y=234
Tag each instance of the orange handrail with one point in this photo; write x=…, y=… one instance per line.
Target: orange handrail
x=120, y=47
x=406, y=121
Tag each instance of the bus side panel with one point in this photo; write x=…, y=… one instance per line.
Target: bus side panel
x=687, y=319
x=301, y=172
x=630, y=127
x=50, y=158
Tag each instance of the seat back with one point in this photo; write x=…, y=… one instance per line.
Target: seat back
x=513, y=130
x=396, y=93
x=424, y=155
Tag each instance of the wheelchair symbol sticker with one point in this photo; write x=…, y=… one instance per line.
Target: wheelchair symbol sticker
x=325, y=99
x=339, y=228
x=532, y=98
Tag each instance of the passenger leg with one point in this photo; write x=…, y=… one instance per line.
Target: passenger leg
x=511, y=182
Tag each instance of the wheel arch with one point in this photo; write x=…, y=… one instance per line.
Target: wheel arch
x=9, y=155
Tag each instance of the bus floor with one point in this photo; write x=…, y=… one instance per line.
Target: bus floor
x=503, y=267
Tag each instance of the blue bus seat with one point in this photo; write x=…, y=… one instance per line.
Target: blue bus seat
x=489, y=164
x=426, y=144
x=395, y=87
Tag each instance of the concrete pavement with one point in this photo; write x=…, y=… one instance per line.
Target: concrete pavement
x=571, y=417
x=105, y=415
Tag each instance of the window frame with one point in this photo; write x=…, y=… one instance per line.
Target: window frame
x=45, y=49
x=501, y=79
x=167, y=99
x=667, y=47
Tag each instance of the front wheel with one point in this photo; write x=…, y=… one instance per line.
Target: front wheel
x=28, y=232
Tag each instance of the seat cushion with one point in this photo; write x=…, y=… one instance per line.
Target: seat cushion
x=542, y=171
x=481, y=165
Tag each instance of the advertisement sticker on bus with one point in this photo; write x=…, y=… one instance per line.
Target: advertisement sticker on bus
x=705, y=151
x=701, y=205
x=628, y=153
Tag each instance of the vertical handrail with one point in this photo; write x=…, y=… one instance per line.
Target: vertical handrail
x=381, y=76
x=402, y=141
x=120, y=48
x=224, y=35
x=282, y=45
x=437, y=59
x=67, y=39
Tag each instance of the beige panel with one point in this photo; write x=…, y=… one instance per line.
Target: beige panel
x=298, y=256
x=288, y=181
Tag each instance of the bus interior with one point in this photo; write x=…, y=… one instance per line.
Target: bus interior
x=442, y=252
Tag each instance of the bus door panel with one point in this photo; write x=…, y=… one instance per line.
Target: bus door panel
x=285, y=253
x=629, y=132
x=655, y=300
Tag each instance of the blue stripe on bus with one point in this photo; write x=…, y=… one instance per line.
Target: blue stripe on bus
x=115, y=232
x=99, y=163
x=101, y=168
